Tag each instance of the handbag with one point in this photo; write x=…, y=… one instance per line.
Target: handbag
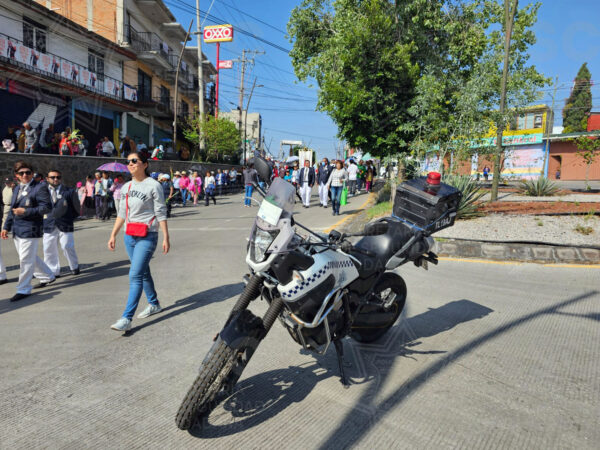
x=344, y=196
x=136, y=229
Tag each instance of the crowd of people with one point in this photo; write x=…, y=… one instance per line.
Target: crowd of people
x=330, y=177
x=29, y=139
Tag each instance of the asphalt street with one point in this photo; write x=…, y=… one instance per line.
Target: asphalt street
x=485, y=355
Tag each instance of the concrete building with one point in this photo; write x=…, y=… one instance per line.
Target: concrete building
x=148, y=29
x=251, y=123
x=55, y=71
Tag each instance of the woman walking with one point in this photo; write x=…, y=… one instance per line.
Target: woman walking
x=142, y=210
x=209, y=188
x=195, y=186
x=336, y=184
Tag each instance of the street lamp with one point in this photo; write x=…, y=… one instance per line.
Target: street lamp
x=246, y=117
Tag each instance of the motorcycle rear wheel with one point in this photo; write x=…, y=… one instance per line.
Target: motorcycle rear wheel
x=215, y=369
x=389, y=284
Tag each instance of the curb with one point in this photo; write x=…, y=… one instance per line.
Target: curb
x=500, y=251
x=354, y=217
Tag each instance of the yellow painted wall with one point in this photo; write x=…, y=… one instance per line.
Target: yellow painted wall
x=534, y=109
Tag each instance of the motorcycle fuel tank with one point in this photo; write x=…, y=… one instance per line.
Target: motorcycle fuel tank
x=327, y=263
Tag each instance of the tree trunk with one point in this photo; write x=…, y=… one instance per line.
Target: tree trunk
x=509, y=16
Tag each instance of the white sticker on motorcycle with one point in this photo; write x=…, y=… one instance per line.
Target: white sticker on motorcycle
x=269, y=212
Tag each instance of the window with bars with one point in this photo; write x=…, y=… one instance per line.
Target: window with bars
x=164, y=95
x=34, y=35
x=96, y=64
x=144, y=86
x=184, y=109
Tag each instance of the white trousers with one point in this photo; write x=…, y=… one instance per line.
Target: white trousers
x=323, y=194
x=31, y=264
x=2, y=268
x=67, y=243
x=305, y=191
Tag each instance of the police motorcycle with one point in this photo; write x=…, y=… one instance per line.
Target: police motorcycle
x=321, y=288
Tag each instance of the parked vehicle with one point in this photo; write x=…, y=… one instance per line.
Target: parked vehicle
x=321, y=288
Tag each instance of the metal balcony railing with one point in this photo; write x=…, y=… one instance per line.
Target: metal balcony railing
x=57, y=68
x=145, y=41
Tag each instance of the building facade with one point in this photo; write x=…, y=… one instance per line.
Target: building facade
x=147, y=29
x=54, y=71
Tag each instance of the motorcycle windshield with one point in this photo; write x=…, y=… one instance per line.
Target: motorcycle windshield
x=278, y=203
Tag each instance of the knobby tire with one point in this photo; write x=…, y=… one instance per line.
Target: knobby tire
x=215, y=369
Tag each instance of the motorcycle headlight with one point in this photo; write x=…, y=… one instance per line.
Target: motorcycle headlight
x=261, y=243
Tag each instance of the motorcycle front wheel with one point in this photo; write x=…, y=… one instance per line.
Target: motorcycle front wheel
x=384, y=308
x=215, y=370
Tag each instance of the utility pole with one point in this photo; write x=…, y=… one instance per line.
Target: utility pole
x=243, y=62
x=177, y=87
x=509, y=18
x=246, y=117
x=200, y=77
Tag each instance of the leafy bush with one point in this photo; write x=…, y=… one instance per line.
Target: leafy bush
x=468, y=207
x=385, y=194
x=542, y=187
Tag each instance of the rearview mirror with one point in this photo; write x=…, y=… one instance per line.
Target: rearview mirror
x=375, y=228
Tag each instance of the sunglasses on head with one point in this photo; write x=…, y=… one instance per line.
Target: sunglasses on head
x=24, y=172
x=57, y=177
x=132, y=161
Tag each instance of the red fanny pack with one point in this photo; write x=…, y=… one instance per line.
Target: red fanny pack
x=136, y=229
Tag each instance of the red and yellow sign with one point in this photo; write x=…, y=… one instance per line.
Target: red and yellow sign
x=218, y=33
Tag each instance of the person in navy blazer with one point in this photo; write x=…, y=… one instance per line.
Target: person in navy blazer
x=30, y=202
x=323, y=177
x=58, y=224
x=306, y=181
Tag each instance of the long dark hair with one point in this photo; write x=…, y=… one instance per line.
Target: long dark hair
x=143, y=158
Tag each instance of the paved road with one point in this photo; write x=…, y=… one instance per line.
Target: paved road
x=485, y=355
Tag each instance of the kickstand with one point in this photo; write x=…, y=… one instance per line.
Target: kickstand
x=339, y=348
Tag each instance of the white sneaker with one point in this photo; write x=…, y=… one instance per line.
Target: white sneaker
x=150, y=309
x=122, y=324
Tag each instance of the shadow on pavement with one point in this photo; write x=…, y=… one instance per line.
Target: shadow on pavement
x=265, y=395
x=354, y=427
x=43, y=294
x=192, y=302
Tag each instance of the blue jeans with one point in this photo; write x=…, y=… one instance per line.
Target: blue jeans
x=140, y=251
x=248, y=197
x=184, y=195
x=336, y=195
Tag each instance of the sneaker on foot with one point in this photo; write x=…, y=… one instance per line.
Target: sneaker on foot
x=122, y=324
x=150, y=309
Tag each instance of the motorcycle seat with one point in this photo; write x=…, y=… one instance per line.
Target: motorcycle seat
x=384, y=246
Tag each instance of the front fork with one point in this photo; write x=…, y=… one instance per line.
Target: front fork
x=243, y=330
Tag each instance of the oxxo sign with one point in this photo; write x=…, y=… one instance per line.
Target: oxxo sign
x=218, y=33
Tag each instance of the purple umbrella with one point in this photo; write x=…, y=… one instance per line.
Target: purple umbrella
x=113, y=167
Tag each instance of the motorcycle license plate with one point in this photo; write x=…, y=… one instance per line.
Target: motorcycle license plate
x=269, y=212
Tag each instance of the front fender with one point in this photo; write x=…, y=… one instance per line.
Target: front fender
x=243, y=331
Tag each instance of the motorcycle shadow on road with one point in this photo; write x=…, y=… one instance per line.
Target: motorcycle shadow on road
x=263, y=396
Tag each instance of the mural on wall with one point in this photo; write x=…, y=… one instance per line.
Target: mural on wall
x=524, y=162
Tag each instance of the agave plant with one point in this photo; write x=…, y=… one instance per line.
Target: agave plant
x=542, y=187
x=471, y=194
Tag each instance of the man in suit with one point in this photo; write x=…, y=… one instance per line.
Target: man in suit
x=306, y=180
x=323, y=178
x=58, y=224
x=30, y=201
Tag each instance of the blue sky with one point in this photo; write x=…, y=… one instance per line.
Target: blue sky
x=567, y=31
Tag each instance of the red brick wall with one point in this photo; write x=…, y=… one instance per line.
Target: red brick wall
x=572, y=165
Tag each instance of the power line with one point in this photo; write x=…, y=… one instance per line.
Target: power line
x=252, y=17
x=189, y=8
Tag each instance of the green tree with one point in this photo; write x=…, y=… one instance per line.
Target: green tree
x=511, y=83
x=221, y=137
x=589, y=149
x=579, y=103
